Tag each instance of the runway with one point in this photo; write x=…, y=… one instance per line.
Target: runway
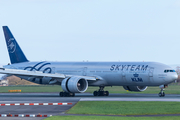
x=60, y=109
x=54, y=97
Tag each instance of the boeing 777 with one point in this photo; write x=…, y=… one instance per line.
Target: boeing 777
x=75, y=77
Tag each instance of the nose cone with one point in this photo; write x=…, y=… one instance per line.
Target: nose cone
x=174, y=76
x=171, y=77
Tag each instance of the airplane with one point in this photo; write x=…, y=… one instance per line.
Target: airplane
x=75, y=77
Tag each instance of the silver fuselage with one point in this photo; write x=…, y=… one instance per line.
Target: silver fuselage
x=108, y=73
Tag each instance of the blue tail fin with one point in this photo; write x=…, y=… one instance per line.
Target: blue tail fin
x=15, y=53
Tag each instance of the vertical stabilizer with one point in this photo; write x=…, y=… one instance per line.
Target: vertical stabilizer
x=15, y=53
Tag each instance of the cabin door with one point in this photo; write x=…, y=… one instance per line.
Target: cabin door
x=84, y=71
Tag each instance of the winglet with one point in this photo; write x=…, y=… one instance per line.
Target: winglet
x=15, y=53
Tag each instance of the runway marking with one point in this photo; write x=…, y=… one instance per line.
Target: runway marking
x=13, y=104
x=130, y=99
x=22, y=115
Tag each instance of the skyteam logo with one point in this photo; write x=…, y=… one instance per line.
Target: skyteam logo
x=11, y=45
x=41, y=66
x=136, y=75
x=136, y=78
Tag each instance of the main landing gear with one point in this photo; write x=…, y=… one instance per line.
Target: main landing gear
x=66, y=94
x=101, y=92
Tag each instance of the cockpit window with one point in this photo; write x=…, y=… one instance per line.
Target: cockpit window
x=169, y=71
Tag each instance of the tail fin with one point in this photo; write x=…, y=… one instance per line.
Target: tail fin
x=15, y=53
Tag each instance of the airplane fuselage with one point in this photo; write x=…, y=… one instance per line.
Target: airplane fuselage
x=108, y=73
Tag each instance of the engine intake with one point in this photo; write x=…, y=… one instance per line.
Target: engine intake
x=135, y=88
x=74, y=84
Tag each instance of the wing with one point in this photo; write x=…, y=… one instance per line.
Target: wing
x=38, y=74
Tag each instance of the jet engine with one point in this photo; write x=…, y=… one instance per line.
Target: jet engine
x=135, y=88
x=74, y=84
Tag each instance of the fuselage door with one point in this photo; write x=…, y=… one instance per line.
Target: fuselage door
x=84, y=71
x=151, y=70
x=53, y=70
x=123, y=77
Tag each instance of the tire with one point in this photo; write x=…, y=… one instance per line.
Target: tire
x=107, y=93
x=72, y=94
x=95, y=93
x=163, y=94
x=61, y=94
x=101, y=93
x=160, y=95
x=66, y=94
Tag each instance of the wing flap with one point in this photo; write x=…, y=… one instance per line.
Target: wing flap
x=39, y=74
x=31, y=73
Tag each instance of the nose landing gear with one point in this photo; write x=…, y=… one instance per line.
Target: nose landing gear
x=101, y=92
x=161, y=93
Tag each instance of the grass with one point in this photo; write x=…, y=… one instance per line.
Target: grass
x=36, y=88
x=110, y=118
x=125, y=108
x=121, y=108
x=172, y=89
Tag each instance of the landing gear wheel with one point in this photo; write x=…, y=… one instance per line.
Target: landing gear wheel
x=107, y=93
x=61, y=94
x=161, y=94
x=101, y=92
x=71, y=94
x=95, y=93
x=66, y=94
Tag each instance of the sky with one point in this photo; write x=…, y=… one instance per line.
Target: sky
x=93, y=30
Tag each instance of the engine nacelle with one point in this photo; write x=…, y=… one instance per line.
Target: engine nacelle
x=74, y=84
x=135, y=88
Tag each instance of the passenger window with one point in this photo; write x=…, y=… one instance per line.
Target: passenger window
x=165, y=71
x=171, y=70
x=174, y=71
x=168, y=70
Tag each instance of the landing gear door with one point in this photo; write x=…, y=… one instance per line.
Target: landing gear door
x=151, y=70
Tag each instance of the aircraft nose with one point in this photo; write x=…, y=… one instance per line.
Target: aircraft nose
x=174, y=76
